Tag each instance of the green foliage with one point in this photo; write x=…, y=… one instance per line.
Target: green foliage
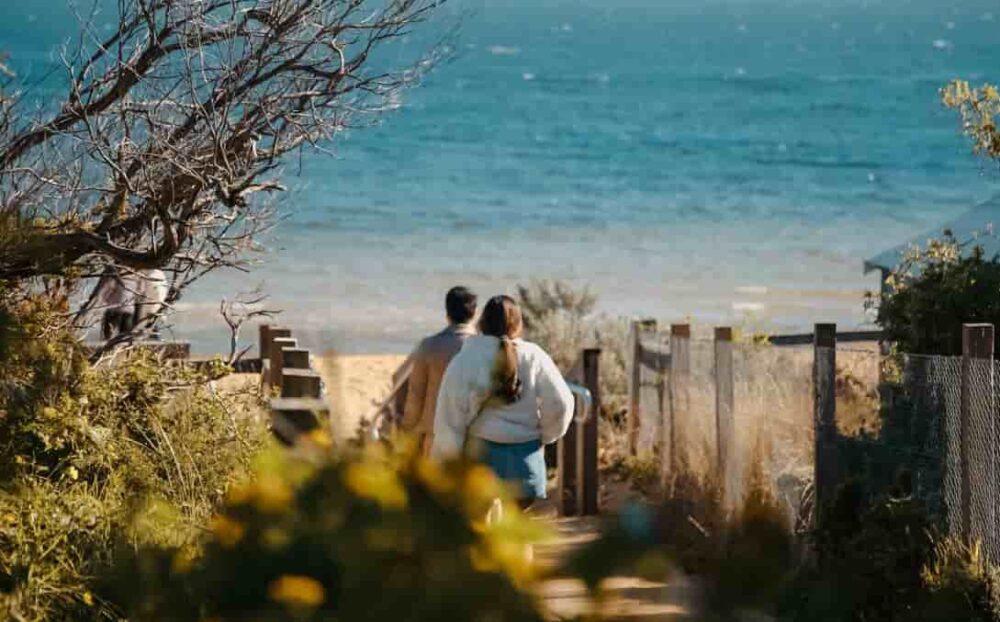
x=870, y=562
x=962, y=584
x=884, y=565
x=363, y=535
x=134, y=449
x=933, y=292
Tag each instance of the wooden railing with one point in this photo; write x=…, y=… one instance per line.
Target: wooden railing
x=577, y=473
x=297, y=404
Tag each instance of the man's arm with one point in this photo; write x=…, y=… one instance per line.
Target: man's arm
x=416, y=393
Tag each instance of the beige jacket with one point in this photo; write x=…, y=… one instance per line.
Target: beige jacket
x=428, y=364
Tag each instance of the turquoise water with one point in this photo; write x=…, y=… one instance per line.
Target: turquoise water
x=727, y=162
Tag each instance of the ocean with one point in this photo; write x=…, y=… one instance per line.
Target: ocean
x=719, y=162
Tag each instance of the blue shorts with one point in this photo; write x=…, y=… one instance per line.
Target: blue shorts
x=520, y=464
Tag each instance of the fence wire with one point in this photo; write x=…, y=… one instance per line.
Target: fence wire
x=909, y=425
x=773, y=419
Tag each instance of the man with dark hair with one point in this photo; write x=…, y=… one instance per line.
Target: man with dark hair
x=429, y=362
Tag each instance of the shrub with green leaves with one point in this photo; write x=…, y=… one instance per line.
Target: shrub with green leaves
x=933, y=292
x=870, y=560
x=135, y=449
x=961, y=583
x=368, y=534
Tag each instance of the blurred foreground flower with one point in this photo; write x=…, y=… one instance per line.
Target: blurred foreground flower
x=312, y=542
x=297, y=591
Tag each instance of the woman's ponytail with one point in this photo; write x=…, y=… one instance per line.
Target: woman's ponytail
x=506, y=383
x=502, y=319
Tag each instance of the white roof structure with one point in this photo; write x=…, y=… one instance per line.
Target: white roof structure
x=975, y=225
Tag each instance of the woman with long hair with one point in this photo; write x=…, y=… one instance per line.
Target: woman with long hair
x=501, y=400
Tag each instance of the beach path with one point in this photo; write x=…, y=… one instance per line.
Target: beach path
x=356, y=384
x=625, y=598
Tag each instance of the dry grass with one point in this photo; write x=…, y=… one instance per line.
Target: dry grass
x=773, y=413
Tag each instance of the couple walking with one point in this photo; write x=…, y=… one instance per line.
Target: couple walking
x=482, y=389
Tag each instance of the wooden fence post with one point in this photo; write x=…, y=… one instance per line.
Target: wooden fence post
x=639, y=418
x=679, y=397
x=568, y=471
x=264, y=332
x=725, y=425
x=277, y=358
x=825, y=415
x=634, y=389
x=591, y=481
x=977, y=346
x=273, y=332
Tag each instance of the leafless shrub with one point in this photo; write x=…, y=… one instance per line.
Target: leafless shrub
x=237, y=312
x=541, y=299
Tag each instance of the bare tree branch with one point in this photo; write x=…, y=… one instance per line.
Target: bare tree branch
x=173, y=127
x=237, y=312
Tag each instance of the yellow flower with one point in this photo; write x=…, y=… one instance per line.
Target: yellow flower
x=481, y=487
x=227, y=531
x=513, y=558
x=319, y=437
x=72, y=473
x=239, y=494
x=271, y=494
x=376, y=481
x=482, y=560
x=88, y=599
x=434, y=477
x=297, y=591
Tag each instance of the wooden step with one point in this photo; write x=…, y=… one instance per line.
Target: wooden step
x=300, y=383
x=292, y=417
x=295, y=358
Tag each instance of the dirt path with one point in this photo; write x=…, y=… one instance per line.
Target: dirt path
x=355, y=384
x=626, y=598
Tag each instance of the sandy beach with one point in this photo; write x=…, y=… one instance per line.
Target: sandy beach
x=355, y=385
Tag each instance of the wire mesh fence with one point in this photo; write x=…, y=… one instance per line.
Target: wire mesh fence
x=902, y=425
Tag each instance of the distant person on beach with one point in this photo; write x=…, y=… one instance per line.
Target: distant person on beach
x=502, y=400
x=429, y=362
x=128, y=299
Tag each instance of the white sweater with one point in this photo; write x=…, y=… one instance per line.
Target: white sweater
x=544, y=411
